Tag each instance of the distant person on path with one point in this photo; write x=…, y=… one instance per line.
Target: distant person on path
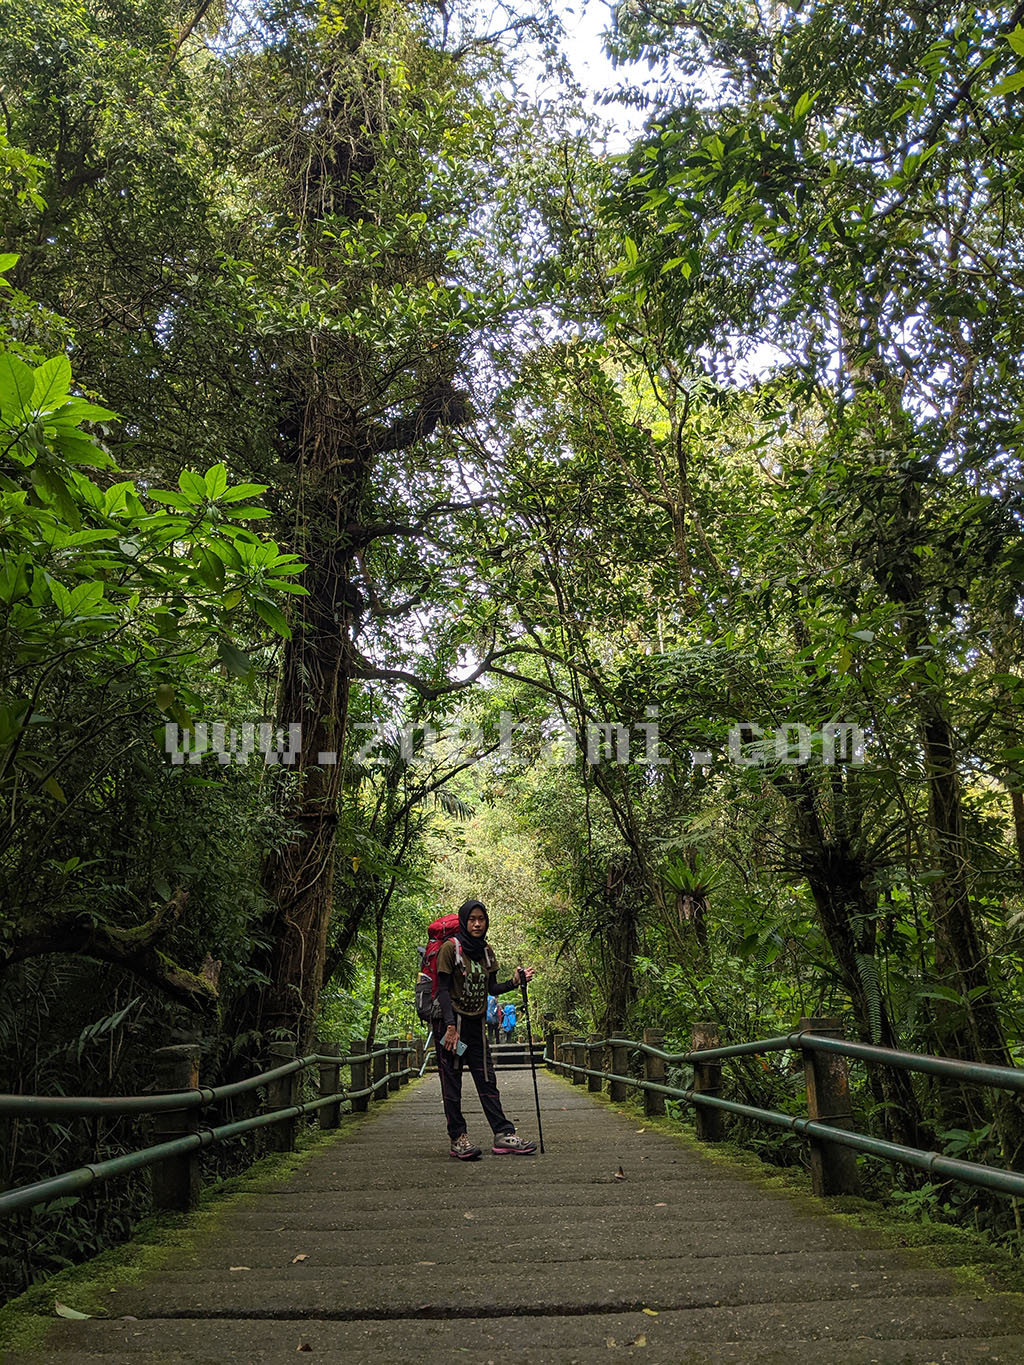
x=465, y=977
x=508, y=1022
x=493, y=1019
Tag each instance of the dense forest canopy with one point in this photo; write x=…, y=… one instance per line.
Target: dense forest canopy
x=404, y=497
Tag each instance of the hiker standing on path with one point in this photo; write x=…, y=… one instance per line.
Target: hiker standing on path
x=466, y=975
x=493, y=1019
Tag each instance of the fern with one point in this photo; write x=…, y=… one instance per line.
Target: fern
x=871, y=984
x=452, y=805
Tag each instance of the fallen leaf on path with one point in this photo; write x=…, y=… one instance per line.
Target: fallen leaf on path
x=426, y=1263
x=469, y=1215
x=63, y=1311
x=620, y=1174
x=611, y=1342
x=651, y=1312
x=239, y=1267
x=641, y=1340
x=303, y=1346
x=661, y=1206
x=639, y=1130
x=302, y=1256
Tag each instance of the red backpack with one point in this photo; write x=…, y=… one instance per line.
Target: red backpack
x=426, y=983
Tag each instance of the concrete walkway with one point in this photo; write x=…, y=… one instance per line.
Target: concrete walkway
x=410, y=1255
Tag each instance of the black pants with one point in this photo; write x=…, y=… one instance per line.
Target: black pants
x=480, y=1068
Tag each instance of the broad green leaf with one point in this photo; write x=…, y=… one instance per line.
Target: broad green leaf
x=79, y=410
x=216, y=481
x=210, y=566
x=192, y=486
x=295, y=588
x=50, y=382
x=8, y=260
x=274, y=619
x=225, y=551
x=16, y=384
x=178, y=501
x=1010, y=85
x=1016, y=40
x=164, y=696
x=78, y=449
x=235, y=660
x=247, y=513
x=63, y=1311
x=86, y=597
x=244, y=490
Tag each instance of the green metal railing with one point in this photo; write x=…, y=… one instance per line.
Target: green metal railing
x=828, y=1095
x=383, y=1069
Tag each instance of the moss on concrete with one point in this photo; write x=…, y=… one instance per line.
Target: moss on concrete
x=978, y=1265
x=157, y=1240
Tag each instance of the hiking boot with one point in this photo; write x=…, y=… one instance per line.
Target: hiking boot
x=508, y=1143
x=464, y=1149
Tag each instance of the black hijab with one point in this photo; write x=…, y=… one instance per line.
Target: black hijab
x=474, y=948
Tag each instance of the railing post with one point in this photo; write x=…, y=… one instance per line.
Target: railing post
x=360, y=1074
x=421, y=1048
x=595, y=1056
x=707, y=1080
x=380, y=1070
x=654, y=1070
x=619, y=1064
x=557, y=1044
x=833, y=1168
x=281, y=1095
x=330, y=1078
x=394, y=1064
x=176, y=1181
x=577, y=1060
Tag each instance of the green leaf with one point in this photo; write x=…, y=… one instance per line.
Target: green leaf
x=1016, y=40
x=804, y=103
x=8, y=259
x=235, y=660
x=164, y=696
x=216, y=481
x=244, y=490
x=632, y=253
x=176, y=500
x=51, y=381
x=16, y=384
x=192, y=486
x=866, y=635
x=78, y=449
x=63, y=1311
x=1011, y=84
x=211, y=567
x=247, y=513
x=267, y=612
x=296, y=588
x=225, y=551
x=78, y=410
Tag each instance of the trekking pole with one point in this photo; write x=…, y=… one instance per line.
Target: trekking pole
x=533, y=1064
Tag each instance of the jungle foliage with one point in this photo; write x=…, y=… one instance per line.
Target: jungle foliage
x=631, y=540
